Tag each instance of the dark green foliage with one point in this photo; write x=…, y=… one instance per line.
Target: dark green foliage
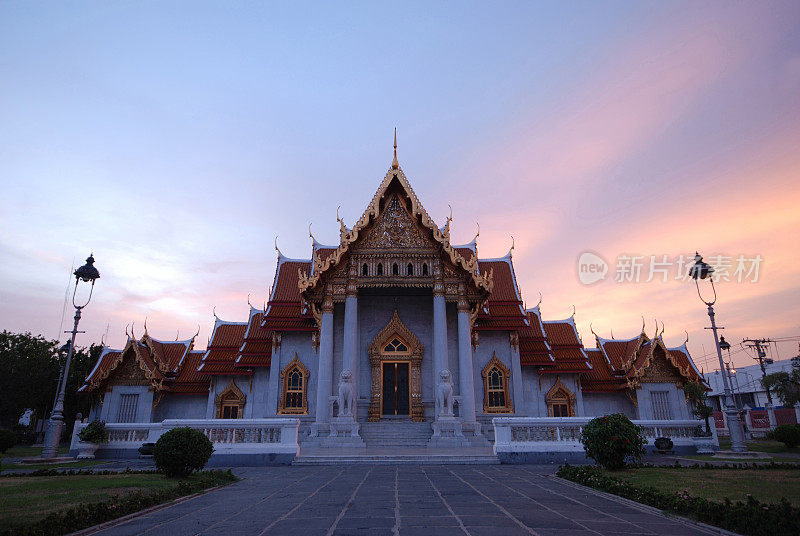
x=7, y=439
x=182, y=450
x=697, y=394
x=95, y=432
x=785, y=384
x=788, y=434
x=613, y=440
x=29, y=369
x=90, y=514
x=751, y=517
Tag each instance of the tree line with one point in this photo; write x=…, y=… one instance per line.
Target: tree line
x=30, y=366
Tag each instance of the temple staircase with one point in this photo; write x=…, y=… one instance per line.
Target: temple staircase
x=394, y=441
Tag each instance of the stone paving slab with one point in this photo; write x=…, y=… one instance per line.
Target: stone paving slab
x=403, y=500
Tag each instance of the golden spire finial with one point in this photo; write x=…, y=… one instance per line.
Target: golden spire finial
x=395, y=163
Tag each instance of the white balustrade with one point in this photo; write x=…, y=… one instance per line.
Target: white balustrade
x=229, y=436
x=562, y=434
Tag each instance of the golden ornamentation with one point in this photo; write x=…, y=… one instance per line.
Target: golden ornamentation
x=482, y=282
x=494, y=367
x=295, y=363
x=557, y=395
x=230, y=396
x=276, y=340
x=513, y=338
x=395, y=328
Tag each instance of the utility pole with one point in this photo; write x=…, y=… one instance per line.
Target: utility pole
x=760, y=345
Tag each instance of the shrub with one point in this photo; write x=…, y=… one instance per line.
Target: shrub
x=750, y=517
x=613, y=440
x=788, y=434
x=7, y=439
x=181, y=451
x=95, y=432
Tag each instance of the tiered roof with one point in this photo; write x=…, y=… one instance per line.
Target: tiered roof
x=167, y=365
x=619, y=364
x=223, y=349
x=256, y=349
x=552, y=347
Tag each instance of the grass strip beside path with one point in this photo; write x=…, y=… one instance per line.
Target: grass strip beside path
x=79, y=464
x=62, y=504
x=696, y=493
x=767, y=485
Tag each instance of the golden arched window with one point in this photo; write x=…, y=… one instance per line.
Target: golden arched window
x=230, y=402
x=496, y=392
x=396, y=346
x=294, y=388
x=560, y=401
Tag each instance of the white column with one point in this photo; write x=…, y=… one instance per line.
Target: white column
x=465, y=369
x=325, y=370
x=439, y=328
x=350, y=342
x=273, y=386
x=516, y=374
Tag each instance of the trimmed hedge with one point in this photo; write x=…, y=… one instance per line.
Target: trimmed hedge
x=7, y=439
x=181, y=451
x=751, y=517
x=788, y=434
x=90, y=514
x=612, y=441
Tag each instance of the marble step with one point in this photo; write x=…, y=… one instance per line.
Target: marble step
x=396, y=460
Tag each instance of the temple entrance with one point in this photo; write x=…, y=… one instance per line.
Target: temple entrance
x=395, y=379
x=395, y=356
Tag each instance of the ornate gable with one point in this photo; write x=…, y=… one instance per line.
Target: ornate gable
x=128, y=373
x=394, y=243
x=395, y=229
x=659, y=369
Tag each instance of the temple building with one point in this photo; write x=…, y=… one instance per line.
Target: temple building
x=393, y=327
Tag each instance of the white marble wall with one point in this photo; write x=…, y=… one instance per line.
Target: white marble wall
x=109, y=412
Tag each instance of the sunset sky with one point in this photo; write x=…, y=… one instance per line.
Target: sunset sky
x=176, y=140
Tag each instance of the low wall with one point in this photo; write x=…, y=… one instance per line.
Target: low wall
x=553, y=440
x=237, y=442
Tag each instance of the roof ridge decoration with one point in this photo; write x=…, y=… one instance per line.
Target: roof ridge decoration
x=133, y=344
x=306, y=281
x=638, y=373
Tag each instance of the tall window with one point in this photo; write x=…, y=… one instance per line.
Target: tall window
x=364, y=269
x=294, y=392
x=660, y=402
x=410, y=269
x=380, y=268
x=560, y=401
x=127, y=408
x=425, y=268
x=230, y=402
x=395, y=269
x=496, y=379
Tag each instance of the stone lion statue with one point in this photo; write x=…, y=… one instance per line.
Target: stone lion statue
x=347, y=394
x=444, y=394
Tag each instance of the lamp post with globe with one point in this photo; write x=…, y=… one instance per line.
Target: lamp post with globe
x=88, y=274
x=699, y=271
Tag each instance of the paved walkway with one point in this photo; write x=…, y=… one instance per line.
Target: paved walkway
x=402, y=501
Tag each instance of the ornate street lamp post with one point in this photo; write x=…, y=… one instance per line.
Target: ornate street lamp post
x=88, y=274
x=701, y=270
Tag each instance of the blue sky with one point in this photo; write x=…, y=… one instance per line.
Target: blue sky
x=177, y=139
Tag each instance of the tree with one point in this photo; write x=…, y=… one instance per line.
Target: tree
x=785, y=384
x=29, y=370
x=698, y=394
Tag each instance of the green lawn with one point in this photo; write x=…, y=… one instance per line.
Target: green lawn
x=78, y=464
x=767, y=485
x=762, y=445
x=29, y=499
x=29, y=452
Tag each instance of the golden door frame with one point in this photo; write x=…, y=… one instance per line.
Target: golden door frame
x=378, y=356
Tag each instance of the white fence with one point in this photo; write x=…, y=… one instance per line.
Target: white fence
x=562, y=434
x=229, y=436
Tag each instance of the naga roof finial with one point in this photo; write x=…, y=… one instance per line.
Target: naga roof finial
x=395, y=163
